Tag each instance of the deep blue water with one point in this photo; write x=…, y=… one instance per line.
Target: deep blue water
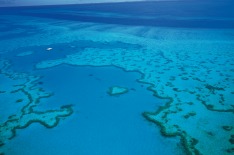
x=199, y=14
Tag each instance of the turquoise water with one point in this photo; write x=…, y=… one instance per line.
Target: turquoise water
x=140, y=78
x=101, y=124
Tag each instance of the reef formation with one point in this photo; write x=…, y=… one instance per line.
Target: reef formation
x=116, y=91
x=22, y=92
x=185, y=72
x=192, y=68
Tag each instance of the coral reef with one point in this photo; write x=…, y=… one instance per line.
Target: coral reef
x=200, y=103
x=116, y=90
x=31, y=96
x=192, y=68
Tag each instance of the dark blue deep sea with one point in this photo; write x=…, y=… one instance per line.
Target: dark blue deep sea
x=130, y=78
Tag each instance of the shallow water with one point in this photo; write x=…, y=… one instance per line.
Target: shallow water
x=101, y=124
x=59, y=63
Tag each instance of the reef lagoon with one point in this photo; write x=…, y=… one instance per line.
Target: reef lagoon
x=130, y=78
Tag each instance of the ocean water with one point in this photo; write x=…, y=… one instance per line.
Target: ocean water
x=142, y=78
